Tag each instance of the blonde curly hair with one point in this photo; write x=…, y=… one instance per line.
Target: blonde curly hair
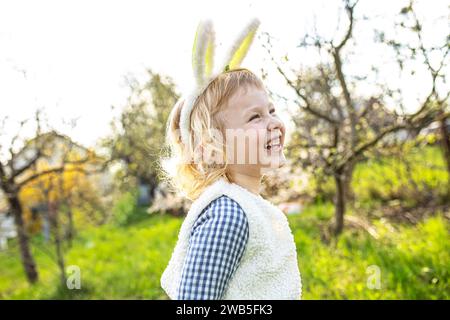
x=190, y=168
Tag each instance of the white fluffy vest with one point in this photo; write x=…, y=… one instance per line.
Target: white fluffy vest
x=268, y=268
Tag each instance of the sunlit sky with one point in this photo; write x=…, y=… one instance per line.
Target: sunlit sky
x=71, y=58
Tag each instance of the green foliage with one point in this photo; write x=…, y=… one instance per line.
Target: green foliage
x=139, y=131
x=126, y=211
x=386, y=178
x=380, y=180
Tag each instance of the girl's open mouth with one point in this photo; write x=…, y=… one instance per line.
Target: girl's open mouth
x=273, y=145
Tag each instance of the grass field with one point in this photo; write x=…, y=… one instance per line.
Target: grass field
x=126, y=261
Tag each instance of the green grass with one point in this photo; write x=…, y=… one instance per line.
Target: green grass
x=127, y=262
x=115, y=262
x=125, y=258
x=412, y=260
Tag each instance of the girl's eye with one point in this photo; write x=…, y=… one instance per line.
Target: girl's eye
x=257, y=115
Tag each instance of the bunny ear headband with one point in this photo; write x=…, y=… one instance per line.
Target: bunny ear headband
x=203, y=64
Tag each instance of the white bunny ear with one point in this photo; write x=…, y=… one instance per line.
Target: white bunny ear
x=203, y=52
x=241, y=46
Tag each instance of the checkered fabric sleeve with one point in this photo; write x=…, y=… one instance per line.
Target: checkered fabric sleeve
x=216, y=245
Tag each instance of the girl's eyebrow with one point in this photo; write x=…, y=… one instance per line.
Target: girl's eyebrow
x=270, y=104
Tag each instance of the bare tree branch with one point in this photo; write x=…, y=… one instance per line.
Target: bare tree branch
x=59, y=170
x=308, y=107
x=349, y=9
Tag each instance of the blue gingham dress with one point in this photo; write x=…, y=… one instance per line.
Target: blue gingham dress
x=216, y=245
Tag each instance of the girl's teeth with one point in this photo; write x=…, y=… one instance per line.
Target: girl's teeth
x=273, y=143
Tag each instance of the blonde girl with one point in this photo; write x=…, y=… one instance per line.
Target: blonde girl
x=233, y=243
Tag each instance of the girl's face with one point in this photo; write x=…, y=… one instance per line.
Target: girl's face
x=254, y=133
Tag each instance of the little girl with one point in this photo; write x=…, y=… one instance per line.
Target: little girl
x=233, y=244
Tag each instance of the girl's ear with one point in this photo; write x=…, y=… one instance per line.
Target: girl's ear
x=241, y=46
x=203, y=51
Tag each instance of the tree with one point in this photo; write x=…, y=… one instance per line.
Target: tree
x=139, y=133
x=21, y=168
x=435, y=60
x=335, y=126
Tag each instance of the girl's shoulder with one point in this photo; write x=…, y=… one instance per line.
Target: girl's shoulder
x=224, y=211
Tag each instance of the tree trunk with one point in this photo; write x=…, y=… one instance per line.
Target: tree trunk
x=445, y=142
x=343, y=180
x=152, y=182
x=28, y=262
x=339, y=203
x=57, y=238
x=70, y=228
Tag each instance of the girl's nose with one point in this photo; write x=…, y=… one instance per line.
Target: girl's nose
x=274, y=123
